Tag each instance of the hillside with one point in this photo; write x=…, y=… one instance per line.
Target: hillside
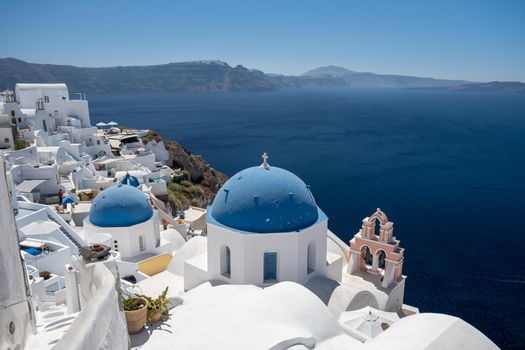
x=328, y=71
x=195, y=181
x=493, y=86
x=334, y=75
x=200, y=76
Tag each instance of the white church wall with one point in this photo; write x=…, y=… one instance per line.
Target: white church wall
x=396, y=297
x=128, y=238
x=247, y=254
x=334, y=268
x=195, y=272
x=286, y=245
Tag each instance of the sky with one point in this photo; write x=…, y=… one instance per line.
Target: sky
x=477, y=40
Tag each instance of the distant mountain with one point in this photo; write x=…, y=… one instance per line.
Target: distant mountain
x=198, y=76
x=493, y=86
x=328, y=71
x=339, y=76
x=209, y=76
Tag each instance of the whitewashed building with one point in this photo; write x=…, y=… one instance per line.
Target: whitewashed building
x=125, y=213
x=264, y=227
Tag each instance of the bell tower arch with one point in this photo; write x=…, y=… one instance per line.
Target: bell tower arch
x=387, y=256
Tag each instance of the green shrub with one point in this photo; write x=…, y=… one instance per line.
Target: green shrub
x=152, y=135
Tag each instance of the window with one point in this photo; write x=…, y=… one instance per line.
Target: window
x=6, y=140
x=98, y=142
x=12, y=113
x=142, y=244
x=226, y=262
x=46, y=98
x=19, y=120
x=311, y=257
x=270, y=267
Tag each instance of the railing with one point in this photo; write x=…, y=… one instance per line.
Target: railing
x=66, y=229
x=80, y=96
x=344, y=248
x=163, y=214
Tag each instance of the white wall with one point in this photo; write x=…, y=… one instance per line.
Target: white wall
x=26, y=155
x=100, y=323
x=128, y=237
x=16, y=307
x=56, y=101
x=6, y=138
x=49, y=172
x=54, y=261
x=247, y=254
x=159, y=149
x=28, y=94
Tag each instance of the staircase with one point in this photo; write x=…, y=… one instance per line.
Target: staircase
x=66, y=233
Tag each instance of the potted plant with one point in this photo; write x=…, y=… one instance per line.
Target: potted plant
x=136, y=310
x=159, y=307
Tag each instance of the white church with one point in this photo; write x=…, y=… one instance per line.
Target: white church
x=264, y=227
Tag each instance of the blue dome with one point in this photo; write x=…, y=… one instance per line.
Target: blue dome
x=120, y=206
x=130, y=180
x=265, y=200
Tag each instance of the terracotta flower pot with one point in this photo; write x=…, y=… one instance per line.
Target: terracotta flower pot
x=136, y=319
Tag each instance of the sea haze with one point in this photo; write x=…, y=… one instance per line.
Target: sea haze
x=447, y=167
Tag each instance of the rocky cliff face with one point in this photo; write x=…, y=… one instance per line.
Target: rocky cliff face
x=201, y=174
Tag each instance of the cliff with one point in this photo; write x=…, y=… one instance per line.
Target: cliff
x=196, y=183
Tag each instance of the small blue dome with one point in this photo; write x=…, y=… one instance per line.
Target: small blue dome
x=120, y=206
x=265, y=200
x=130, y=180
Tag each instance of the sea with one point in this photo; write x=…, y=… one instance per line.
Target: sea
x=448, y=168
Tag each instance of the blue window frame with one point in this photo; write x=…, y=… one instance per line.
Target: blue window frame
x=270, y=267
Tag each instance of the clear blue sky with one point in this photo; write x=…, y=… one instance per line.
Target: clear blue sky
x=477, y=40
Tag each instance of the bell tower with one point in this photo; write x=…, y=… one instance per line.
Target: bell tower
x=377, y=254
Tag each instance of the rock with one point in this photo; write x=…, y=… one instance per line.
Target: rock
x=201, y=174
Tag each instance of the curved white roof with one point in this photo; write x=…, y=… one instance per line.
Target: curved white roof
x=289, y=315
x=248, y=317
x=26, y=86
x=431, y=332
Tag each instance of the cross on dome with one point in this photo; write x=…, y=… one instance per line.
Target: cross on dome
x=265, y=164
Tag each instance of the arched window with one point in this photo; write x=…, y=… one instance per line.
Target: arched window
x=366, y=255
x=377, y=227
x=382, y=257
x=311, y=257
x=226, y=262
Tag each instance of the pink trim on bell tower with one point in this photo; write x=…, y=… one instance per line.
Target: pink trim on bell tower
x=382, y=249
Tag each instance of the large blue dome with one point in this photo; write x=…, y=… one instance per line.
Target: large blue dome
x=120, y=206
x=265, y=200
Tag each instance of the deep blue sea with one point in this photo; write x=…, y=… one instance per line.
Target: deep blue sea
x=447, y=167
